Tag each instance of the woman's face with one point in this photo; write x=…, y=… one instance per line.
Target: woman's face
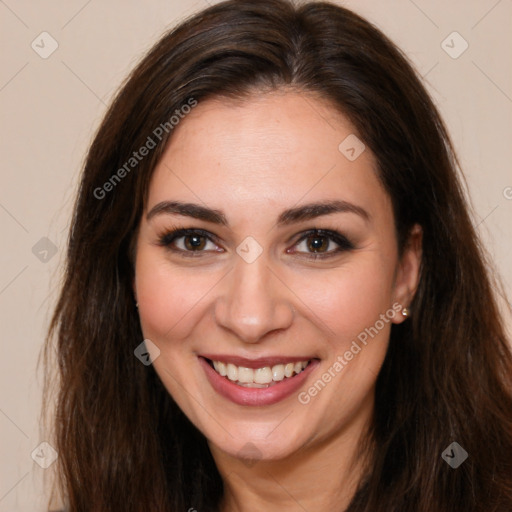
x=254, y=291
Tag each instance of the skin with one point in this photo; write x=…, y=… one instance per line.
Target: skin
x=253, y=159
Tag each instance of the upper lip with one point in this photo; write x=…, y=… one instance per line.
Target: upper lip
x=260, y=362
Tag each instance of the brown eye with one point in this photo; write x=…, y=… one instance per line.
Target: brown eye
x=194, y=240
x=317, y=242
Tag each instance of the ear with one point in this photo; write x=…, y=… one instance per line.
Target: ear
x=408, y=271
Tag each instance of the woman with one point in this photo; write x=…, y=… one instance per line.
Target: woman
x=274, y=297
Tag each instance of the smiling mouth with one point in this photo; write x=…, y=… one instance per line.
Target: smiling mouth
x=263, y=377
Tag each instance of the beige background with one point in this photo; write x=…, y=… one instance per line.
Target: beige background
x=51, y=107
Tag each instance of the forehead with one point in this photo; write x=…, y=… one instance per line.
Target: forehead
x=278, y=147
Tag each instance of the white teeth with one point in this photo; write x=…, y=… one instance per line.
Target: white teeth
x=252, y=385
x=245, y=374
x=220, y=367
x=263, y=375
x=258, y=377
x=278, y=372
x=232, y=372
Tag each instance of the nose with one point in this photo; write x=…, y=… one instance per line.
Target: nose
x=254, y=301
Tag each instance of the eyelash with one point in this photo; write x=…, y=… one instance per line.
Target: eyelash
x=168, y=237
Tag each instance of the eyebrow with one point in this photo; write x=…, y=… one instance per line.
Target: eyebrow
x=287, y=217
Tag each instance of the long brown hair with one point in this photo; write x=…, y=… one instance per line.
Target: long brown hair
x=123, y=443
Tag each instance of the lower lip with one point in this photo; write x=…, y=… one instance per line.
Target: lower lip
x=256, y=396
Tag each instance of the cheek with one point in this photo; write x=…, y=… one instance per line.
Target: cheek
x=350, y=302
x=168, y=297
x=350, y=298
